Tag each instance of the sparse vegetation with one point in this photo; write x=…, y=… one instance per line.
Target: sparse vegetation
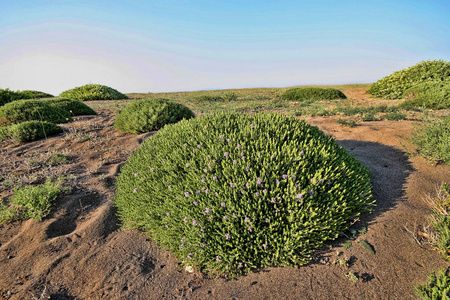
x=312, y=93
x=432, y=139
x=32, y=110
x=93, y=92
x=430, y=94
x=230, y=192
x=146, y=115
x=437, y=287
x=395, y=85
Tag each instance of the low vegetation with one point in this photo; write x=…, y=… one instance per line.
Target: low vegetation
x=146, y=115
x=32, y=110
x=30, y=94
x=432, y=139
x=429, y=94
x=75, y=108
x=93, y=92
x=229, y=192
x=7, y=96
x=312, y=93
x=437, y=287
x=395, y=85
x=28, y=131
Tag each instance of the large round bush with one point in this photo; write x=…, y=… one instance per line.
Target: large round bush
x=93, y=92
x=394, y=85
x=7, y=96
x=74, y=107
x=29, y=131
x=430, y=94
x=31, y=94
x=312, y=93
x=230, y=192
x=146, y=115
x=33, y=110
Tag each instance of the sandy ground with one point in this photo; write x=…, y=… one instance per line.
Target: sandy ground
x=79, y=251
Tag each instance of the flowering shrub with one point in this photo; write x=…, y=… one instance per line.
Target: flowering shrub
x=146, y=115
x=312, y=93
x=75, y=108
x=394, y=85
x=231, y=192
x=32, y=110
x=93, y=92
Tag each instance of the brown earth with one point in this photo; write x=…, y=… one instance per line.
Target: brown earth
x=79, y=251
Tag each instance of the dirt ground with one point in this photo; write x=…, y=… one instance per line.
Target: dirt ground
x=79, y=251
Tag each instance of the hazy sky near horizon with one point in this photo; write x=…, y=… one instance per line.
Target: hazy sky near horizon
x=181, y=45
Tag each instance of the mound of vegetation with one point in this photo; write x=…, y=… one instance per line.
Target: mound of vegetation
x=93, y=92
x=432, y=140
x=230, y=192
x=146, y=115
x=35, y=94
x=32, y=110
x=28, y=131
x=75, y=108
x=7, y=96
x=312, y=93
x=395, y=85
x=430, y=94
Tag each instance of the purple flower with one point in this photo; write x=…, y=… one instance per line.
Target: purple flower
x=187, y=165
x=199, y=146
x=234, y=216
x=265, y=191
x=225, y=153
x=186, y=194
x=202, y=229
x=151, y=169
x=246, y=220
x=285, y=176
x=321, y=181
x=264, y=246
x=362, y=196
x=249, y=228
x=189, y=256
x=195, y=203
x=227, y=236
x=207, y=210
x=225, y=217
x=232, y=184
x=238, y=146
x=169, y=187
x=203, y=180
x=167, y=214
x=247, y=185
x=272, y=200
x=214, y=177
x=210, y=218
x=257, y=194
x=167, y=226
x=278, y=182
x=277, y=210
x=221, y=136
x=181, y=246
x=293, y=176
x=234, y=161
x=217, y=194
x=217, y=258
x=259, y=181
x=228, y=140
x=194, y=223
x=135, y=190
x=192, y=139
x=193, y=150
x=205, y=170
x=240, y=266
x=136, y=174
x=222, y=204
x=164, y=160
x=185, y=219
x=252, y=126
x=299, y=196
x=267, y=220
x=184, y=145
x=311, y=192
x=301, y=152
x=242, y=192
x=198, y=192
x=206, y=191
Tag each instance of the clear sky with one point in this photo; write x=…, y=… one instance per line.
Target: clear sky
x=181, y=45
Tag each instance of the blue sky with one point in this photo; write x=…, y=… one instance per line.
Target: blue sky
x=168, y=45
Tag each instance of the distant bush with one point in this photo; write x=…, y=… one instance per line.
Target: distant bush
x=93, y=92
x=229, y=192
x=432, y=139
x=74, y=107
x=430, y=94
x=146, y=115
x=35, y=94
x=7, y=96
x=437, y=287
x=312, y=93
x=209, y=98
x=395, y=85
x=33, y=110
x=28, y=131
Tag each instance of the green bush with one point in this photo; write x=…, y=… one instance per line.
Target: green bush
x=7, y=96
x=440, y=220
x=33, y=110
x=28, y=131
x=146, y=115
x=35, y=94
x=75, y=108
x=209, y=98
x=230, y=192
x=429, y=94
x=33, y=202
x=93, y=92
x=437, y=287
x=432, y=139
x=395, y=85
x=312, y=93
